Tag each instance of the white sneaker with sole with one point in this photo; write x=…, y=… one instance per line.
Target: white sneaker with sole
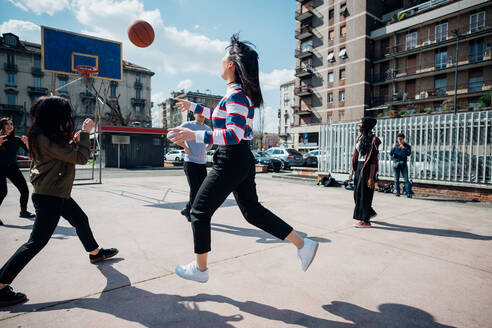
x=307, y=253
x=190, y=271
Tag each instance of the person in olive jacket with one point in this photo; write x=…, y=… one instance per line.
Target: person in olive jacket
x=54, y=151
x=9, y=146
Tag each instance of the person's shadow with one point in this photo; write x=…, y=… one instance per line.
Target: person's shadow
x=61, y=232
x=122, y=300
x=263, y=237
x=428, y=231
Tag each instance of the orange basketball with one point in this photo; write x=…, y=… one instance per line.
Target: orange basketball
x=141, y=33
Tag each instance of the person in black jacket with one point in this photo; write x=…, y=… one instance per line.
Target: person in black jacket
x=9, y=146
x=400, y=153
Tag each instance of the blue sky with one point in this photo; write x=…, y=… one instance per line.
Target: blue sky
x=190, y=37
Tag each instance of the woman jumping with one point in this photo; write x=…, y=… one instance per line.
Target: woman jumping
x=234, y=164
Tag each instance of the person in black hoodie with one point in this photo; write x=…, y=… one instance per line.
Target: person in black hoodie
x=400, y=152
x=9, y=146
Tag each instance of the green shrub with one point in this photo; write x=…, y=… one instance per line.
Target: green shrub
x=402, y=112
x=428, y=110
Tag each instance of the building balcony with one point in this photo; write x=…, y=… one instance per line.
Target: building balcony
x=304, y=33
x=303, y=91
x=304, y=71
x=298, y=110
x=11, y=108
x=137, y=101
x=10, y=67
x=305, y=53
x=302, y=16
x=34, y=91
x=138, y=85
x=36, y=71
x=87, y=96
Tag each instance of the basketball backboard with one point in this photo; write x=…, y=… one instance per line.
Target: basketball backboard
x=63, y=51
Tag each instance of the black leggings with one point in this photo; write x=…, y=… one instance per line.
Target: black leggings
x=48, y=212
x=13, y=173
x=195, y=173
x=233, y=171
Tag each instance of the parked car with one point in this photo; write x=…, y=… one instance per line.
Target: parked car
x=312, y=153
x=176, y=155
x=263, y=158
x=289, y=156
x=210, y=156
x=311, y=161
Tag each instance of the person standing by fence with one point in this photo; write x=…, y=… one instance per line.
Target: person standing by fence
x=400, y=153
x=365, y=167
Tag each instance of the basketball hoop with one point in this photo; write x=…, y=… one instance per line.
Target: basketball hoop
x=87, y=72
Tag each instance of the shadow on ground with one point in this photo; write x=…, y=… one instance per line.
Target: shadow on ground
x=428, y=231
x=180, y=205
x=61, y=232
x=130, y=303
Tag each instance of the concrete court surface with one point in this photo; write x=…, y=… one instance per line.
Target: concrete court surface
x=423, y=264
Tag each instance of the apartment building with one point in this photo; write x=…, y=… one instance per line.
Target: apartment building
x=286, y=114
x=385, y=58
x=24, y=81
x=170, y=116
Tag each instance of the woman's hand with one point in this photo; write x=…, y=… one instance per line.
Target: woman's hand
x=350, y=176
x=2, y=139
x=76, y=137
x=180, y=135
x=183, y=105
x=370, y=183
x=88, y=125
x=25, y=140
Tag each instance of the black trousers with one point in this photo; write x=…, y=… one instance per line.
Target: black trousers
x=195, y=173
x=48, y=212
x=363, y=195
x=13, y=173
x=233, y=171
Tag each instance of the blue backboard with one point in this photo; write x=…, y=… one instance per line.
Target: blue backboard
x=62, y=51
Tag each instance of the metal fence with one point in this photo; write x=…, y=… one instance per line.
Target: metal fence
x=445, y=147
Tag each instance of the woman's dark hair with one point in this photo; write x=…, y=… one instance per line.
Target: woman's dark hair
x=400, y=135
x=246, y=71
x=51, y=117
x=3, y=122
x=365, y=141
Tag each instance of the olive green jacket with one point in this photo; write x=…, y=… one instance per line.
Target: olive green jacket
x=53, y=172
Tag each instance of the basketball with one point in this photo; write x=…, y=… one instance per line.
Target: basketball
x=141, y=33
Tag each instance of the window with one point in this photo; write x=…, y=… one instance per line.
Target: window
x=10, y=59
x=440, y=85
x=441, y=32
x=343, y=10
x=411, y=40
x=330, y=98
x=330, y=77
x=37, y=62
x=331, y=57
x=11, y=40
x=341, y=96
x=476, y=50
x=37, y=82
x=138, y=78
x=113, y=91
x=441, y=58
x=341, y=116
x=475, y=81
x=342, y=74
x=331, y=14
x=62, y=85
x=331, y=35
x=477, y=21
x=138, y=110
x=11, y=99
x=278, y=152
x=307, y=46
x=343, y=30
x=138, y=93
x=11, y=79
x=343, y=53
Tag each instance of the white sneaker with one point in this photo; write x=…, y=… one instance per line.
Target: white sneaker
x=190, y=271
x=307, y=253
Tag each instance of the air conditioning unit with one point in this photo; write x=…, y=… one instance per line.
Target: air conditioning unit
x=426, y=43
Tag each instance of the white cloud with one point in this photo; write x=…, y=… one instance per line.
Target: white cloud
x=23, y=29
x=184, y=85
x=196, y=26
x=39, y=7
x=273, y=80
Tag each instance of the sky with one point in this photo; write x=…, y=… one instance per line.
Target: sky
x=190, y=38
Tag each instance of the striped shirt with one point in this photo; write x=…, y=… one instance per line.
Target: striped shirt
x=232, y=119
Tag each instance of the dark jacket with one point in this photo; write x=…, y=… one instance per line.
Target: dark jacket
x=53, y=172
x=400, y=155
x=371, y=158
x=9, y=149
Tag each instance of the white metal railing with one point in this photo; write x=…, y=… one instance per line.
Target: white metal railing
x=445, y=147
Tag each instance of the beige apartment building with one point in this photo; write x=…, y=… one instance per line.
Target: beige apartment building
x=24, y=81
x=385, y=58
x=286, y=114
x=170, y=116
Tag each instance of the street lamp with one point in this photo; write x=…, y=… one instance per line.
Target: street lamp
x=457, y=35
